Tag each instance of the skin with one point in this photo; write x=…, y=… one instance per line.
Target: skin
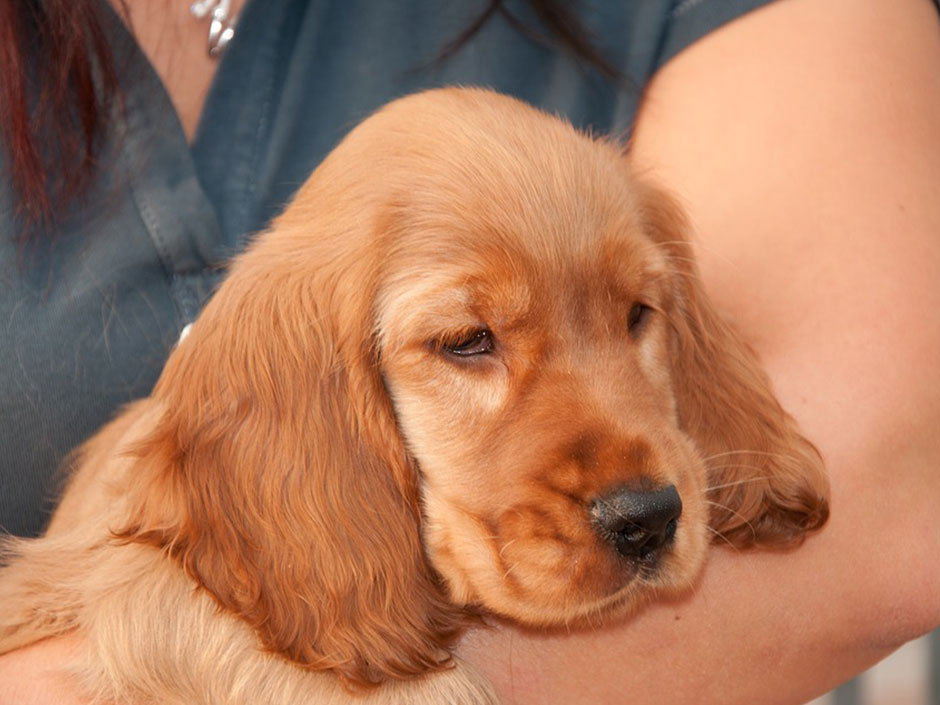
x=175, y=43
x=818, y=120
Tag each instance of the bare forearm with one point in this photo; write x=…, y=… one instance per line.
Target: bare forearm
x=27, y=675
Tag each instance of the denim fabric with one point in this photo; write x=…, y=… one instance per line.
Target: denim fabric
x=87, y=319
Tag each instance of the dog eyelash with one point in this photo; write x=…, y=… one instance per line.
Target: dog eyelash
x=478, y=341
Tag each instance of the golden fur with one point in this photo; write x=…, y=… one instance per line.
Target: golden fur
x=319, y=495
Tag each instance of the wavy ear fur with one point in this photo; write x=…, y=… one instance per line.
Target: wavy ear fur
x=767, y=484
x=276, y=474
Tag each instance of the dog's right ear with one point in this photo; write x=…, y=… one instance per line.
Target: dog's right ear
x=276, y=475
x=766, y=482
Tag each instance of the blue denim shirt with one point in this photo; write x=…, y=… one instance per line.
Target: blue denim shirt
x=87, y=318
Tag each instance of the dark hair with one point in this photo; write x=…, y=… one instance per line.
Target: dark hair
x=52, y=114
x=58, y=80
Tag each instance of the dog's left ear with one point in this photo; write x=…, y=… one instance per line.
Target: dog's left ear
x=766, y=482
x=276, y=475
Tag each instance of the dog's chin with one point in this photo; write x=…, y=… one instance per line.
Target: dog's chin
x=562, y=586
x=598, y=603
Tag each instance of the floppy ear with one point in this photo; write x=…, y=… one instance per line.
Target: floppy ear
x=276, y=474
x=766, y=482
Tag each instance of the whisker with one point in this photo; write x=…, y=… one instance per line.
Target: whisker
x=505, y=546
x=724, y=538
x=738, y=466
x=765, y=454
x=740, y=516
x=712, y=488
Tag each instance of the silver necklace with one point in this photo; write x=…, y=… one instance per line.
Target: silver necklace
x=221, y=25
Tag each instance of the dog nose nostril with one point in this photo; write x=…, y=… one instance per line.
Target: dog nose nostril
x=637, y=522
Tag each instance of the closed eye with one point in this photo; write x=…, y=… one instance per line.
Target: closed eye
x=638, y=318
x=476, y=342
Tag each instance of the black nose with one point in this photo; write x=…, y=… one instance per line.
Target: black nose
x=637, y=522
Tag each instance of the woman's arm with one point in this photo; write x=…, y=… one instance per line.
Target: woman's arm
x=27, y=675
x=804, y=139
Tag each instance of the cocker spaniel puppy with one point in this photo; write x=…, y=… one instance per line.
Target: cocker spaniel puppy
x=471, y=369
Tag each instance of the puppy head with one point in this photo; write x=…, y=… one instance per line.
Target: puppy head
x=470, y=365
x=582, y=420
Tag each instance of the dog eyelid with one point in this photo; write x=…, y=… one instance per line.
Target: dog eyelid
x=476, y=342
